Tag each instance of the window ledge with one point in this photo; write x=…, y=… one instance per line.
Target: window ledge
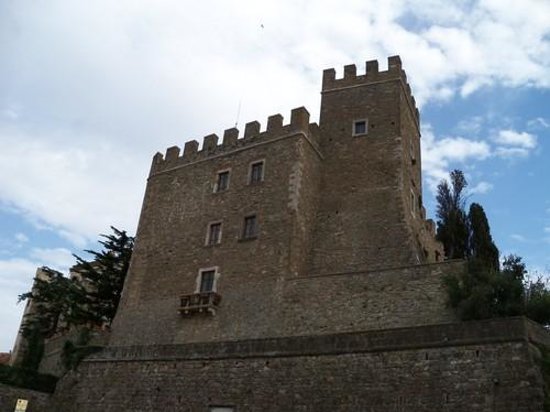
x=212, y=245
x=248, y=239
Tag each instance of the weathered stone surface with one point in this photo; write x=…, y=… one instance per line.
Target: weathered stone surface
x=477, y=366
x=37, y=401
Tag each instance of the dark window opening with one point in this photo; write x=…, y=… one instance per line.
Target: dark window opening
x=360, y=127
x=250, y=227
x=207, y=281
x=223, y=181
x=214, y=233
x=257, y=172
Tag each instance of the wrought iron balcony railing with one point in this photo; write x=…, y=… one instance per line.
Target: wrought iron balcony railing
x=199, y=302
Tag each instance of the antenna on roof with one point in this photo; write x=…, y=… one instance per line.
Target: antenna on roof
x=238, y=113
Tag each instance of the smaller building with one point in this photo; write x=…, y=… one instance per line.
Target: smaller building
x=5, y=358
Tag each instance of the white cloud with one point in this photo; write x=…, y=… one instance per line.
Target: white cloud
x=547, y=229
x=481, y=188
x=21, y=237
x=518, y=238
x=122, y=80
x=538, y=123
x=471, y=125
x=78, y=191
x=60, y=259
x=519, y=139
x=16, y=277
x=9, y=114
x=439, y=154
x=511, y=152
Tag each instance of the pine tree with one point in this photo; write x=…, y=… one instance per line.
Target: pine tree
x=103, y=277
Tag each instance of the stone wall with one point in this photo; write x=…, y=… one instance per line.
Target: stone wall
x=313, y=304
x=52, y=363
x=380, y=299
x=37, y=401
x=479, y=366
x=171, y=248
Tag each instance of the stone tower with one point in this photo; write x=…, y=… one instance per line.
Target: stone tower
x=296, y=200
x=370, y=214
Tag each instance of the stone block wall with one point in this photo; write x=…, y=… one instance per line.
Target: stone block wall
x=381, y=299
x=475, y=367
x=52, y=362
x=273, y=306
x=181, y=201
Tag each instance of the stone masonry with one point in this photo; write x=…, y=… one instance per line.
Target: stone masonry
x=294, y=269
x=330, y=203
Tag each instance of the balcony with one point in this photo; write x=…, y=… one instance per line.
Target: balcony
x=202, y=302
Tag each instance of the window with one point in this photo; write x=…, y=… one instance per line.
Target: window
x=222, y=182
x=412, y=151
x=221, y=409
x=207, y=278
x=214, y=234
x=256, y=172
x=413, y=203
x=359, y=127
x=250, y=227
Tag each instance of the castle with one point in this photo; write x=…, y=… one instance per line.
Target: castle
x=293, y=269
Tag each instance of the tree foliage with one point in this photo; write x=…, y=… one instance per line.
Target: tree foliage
x=103, y=277
x=87, y=299
x=480, y=241
x=485, y=290
x=452, y=225
x=54, y=297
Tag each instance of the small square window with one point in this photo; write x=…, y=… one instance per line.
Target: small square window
x=359, y=127
x=214, y=235
x=256, y=172
x=222, y=182
x=207, y=281
x=250, y=227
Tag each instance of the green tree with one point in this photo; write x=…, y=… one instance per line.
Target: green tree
x=481, y=245
x=508, y=287
x=103, y=277
x=89, y=299
x=485, y=290
x=537, y=301
x=54, y=297
x=452, y=225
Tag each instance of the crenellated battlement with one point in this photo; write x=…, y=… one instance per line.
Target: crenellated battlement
x=372, y=76
x=230, y=142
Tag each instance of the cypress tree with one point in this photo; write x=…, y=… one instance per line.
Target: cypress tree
x=452, y=225
x=481, y=245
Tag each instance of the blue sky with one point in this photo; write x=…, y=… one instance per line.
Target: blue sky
x=89, y=91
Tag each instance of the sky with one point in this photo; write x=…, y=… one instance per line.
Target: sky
x=90, y=91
